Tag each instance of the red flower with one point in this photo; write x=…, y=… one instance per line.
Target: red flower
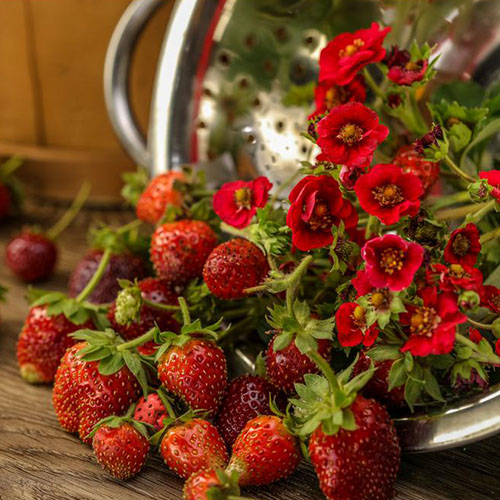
x=389, y=194
x=493, y=178
x=328, y=94
x=361, y=283
x=316, y=206
x=237, y=202
x=490, y=298
x=432, y=326
x=351, y=326
x=455, y=277
x=463, y=247
x=348, y=53
x=349, y=134
x=497, y=347
x=391, y=261
x=474, y=335
x=402, y=70
x=412, y=163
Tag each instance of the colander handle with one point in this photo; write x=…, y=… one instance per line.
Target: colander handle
x=116, y=78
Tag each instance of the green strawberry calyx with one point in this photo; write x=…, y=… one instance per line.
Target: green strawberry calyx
x=173, y=421
x=228, y=488
x=326, y=399
x=115, y=422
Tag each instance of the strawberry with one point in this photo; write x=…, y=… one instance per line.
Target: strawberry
x=247, y=397
x=209, y=484
x=192, y=367
x=233, y=267
x=151, y=410
x=42, y=343
x=31, y=256
x=121, y=446
x=87, y=391
x=353, y=443
x=360, y=464
x=131, y=316
x=5, y=200
x=192, y=446
x=158, y=195
x=179, y=250
x=264, y=452
x=378, y=386
x=121, y=266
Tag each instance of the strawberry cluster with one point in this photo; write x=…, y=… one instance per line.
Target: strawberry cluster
x=370, y=264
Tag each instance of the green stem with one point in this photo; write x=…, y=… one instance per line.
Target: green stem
x=131, y=344
x=94, y=281
x=491, y=235
x=372, y=83
x=484, y=326
x=421, y=126
x=127, y=227
x=226, y=228
x=372, y=226
x=236, y=497
x=185, y=310
x=166, y=403
x=456, y=213
x=458, y=170
x=325, y=368
x=479, y=214
x=235, y=313
x=446, y=201
x=70, y=214
x=160, y=307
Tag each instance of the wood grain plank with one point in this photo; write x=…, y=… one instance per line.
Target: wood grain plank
x=38, y=461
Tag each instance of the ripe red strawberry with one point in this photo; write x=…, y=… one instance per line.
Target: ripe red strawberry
x=247, y=397
x=359, y=464
x=31, y=256
x=234, y=266
x=158, y=195
x=412, y=163
x=288, y=366
x=121, y=450
x=377, y=387
x=154, y=290
x=121, y=266
x=151, y=410
x=198, y=486
x=179, y=250
x=82, y=396
x=5, y=200
x=192, y=446
x=196, y=372
x=264, y=452
x=42, y=343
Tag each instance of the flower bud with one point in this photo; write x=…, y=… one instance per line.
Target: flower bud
x=495, y=328
x=479, y=190
x=469, y=301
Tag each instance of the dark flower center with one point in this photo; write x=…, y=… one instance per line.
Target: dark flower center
x=358, y=317
x=243, y=197
x=380, y=298
x=352, y=48
x=391, y=260
x=412, y=66
x=460, y=245
x=321, y=219
x=335, y=95
x=388, y=196
x=495, y=301
x=423, y=321
x=457, y=271
x=350, y=133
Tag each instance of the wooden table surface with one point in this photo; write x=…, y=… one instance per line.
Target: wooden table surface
x=39, y=461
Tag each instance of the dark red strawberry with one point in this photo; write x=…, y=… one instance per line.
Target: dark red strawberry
x=188, y=448
x=121, y=448
x=82, y=396
x=151, y=410
x=200, y=486
x=158, y=195
x=196, y=372
x=377, y=387
x=121, y=266
x=247, y=397
x=42, y=343
x=233, y=267
x=360, y=464
x=5, y=200
x=179, y=250
x=153, y=290
x=31, y=256
x=287, y=366
x=264, y=452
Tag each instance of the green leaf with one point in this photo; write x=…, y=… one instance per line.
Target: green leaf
x=409, y=365
x=349, y=423
x=111, y=364
x=397, y=374
x=305, y=343
x=413, y=392
x=459, y=136
x=431, y=386
x=492, y=128
x=282, y=340
x=466, y=93
x=382, y=352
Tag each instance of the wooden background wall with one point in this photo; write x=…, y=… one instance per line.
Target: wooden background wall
x=52, y=108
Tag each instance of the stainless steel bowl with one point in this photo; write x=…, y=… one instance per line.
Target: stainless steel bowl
x=229, y=97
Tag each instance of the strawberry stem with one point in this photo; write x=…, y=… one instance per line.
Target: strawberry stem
x=477, y=324
x=128, y=227
x=478, y=355
x=325, y=368
x=166, y=403
x=94, y=281
x=131, y=344
x=70, y=214
x=456, y=169
x=159, y=306
x=184, y=310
